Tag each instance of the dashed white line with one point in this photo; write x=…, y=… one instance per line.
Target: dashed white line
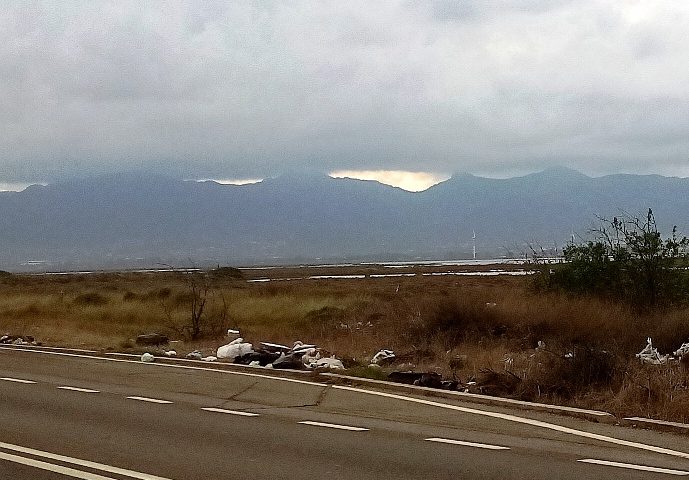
x=77, y=389
x=151, y=400
x=467, y=444
x=487, y=413
x=334, y=425
x=521, y=420
x=230, y=412
x=632, y=466
x=16, y=380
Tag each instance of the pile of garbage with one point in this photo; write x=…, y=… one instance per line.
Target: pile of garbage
x=17, y=340
x=273, y=355
x=650, y=355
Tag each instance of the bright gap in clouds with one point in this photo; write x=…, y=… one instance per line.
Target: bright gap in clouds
x=13, y=187
x=412, y=181
x=232, y=181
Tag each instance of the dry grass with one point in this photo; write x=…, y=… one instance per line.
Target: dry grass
x=471, y=327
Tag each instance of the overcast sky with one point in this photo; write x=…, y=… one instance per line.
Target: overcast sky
x=218, y=89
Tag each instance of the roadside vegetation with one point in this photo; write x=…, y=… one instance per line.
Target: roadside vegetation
x=546, y=344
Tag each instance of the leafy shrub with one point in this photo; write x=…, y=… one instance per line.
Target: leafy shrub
x=629, y=261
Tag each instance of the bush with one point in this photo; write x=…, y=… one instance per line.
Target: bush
x=91, y=298
x=629, y=261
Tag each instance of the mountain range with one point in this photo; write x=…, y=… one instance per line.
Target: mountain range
x=133, y=220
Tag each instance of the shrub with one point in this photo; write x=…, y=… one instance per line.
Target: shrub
x=90, y=298
x=629, y=261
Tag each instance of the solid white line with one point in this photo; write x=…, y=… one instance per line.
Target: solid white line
x=70, y=472
x=168, y=365
x=16, y=380
x=77, y=389
x=24, y=347
x=466, y=444
x=634, y=467
x=150, y=400
x=503, y=416
x=522, y=420
x=334, y=425
x=82, y=463
x=230, y=412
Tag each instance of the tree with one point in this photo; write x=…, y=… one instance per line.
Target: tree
x=628, y=260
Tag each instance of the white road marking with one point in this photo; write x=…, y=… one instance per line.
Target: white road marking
x=168, y=365
x=56, y=348
x=77, y=461
x=522, y=420
x=77, y=389
x=68, y=471
x=631, y=466
x=230, y=412
x=503, y=416
x=334, y=425
x=16, y=380
x=466, y=444
x=150, y=400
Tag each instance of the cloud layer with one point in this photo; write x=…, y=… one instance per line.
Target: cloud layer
x=249, y=89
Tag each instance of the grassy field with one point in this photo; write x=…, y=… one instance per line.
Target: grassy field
x=483, y=329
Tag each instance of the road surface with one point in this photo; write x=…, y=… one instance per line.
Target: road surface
x=66, y=416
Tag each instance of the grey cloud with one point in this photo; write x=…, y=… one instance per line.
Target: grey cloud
x=249, y=89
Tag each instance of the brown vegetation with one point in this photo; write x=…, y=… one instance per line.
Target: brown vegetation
x=477, y=328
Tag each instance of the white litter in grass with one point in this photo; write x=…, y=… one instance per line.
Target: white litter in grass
x=276, y=346
x=170, y=353
x=682, y=351
x=310, y=357
x=147, y=357
x=236, y=348
x=195, y=355
x=231, y=332
x=382, y=355
x=301, y=348
x=210, y=358
x=255, y=363
x=331, y=362
x=651, y=356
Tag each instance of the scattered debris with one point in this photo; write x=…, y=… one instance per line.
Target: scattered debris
x=682, y=351
x=18, y=340
x=236, y=348
x=328, y=362
x=152, y=339
x=424, y=379
x=261, y=357
x=170, y=353
x=290, y=361
x=383, y=357
x=491, y=304
x=275, y=347
x=495, y=383
x=310, y=357
x=210, y=358
x=147, y=357
x=232, y=332
x=195, y=355
x=651, y=356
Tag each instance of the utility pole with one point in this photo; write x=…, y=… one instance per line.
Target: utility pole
x=473, y=238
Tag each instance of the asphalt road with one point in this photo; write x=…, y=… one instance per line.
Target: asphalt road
x=78, y=417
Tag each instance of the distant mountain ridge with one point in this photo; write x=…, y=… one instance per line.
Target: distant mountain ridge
x=134, y=220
